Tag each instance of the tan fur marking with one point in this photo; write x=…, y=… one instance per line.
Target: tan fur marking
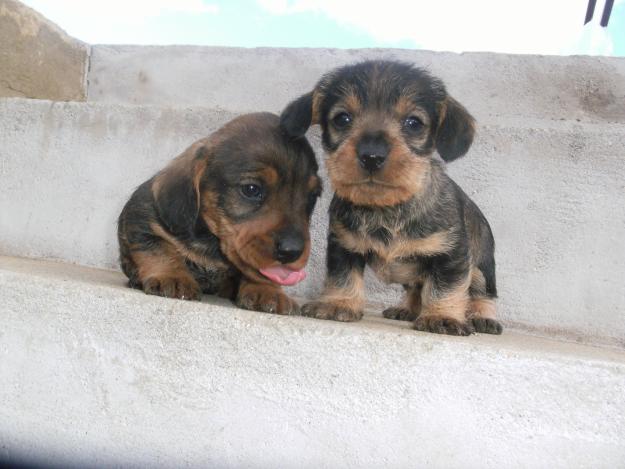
x=184, y=251
x=442, y=113
x=264, y=297
x=317, y=97
x=350, y=241
x=313, y=183
x=405, y=108
x=482, y=308
x=433, y=244
x=269, y=175
x=351, y=103
x=404, y=175
x=436, y=243
x=160, y=265
x=478, y=282
x=397, y=272
x=451, y=304
x=249, y=245
x=350, y=296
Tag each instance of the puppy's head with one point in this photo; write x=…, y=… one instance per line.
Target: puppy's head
x=381, y=123
x=254, y=187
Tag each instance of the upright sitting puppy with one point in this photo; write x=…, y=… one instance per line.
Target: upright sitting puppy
x=230, y=216
x=394, y=208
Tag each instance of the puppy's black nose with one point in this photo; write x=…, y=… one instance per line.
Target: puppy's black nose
x=372, y=152
x=289, y=247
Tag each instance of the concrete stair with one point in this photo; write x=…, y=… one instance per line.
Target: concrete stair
x=552, y=190
x=95, y=374
x=492, y=86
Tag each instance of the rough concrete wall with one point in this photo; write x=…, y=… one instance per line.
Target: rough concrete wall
x=113, y=378
x=490, y=85
x=553, y=192
x=37, y=59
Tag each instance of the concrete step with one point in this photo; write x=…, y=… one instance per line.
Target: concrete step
x=552, y=192
x=490, y=85
x=96, y=374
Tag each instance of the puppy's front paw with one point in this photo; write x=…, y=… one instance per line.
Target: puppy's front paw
x=265, y=299
x=321, y=310
x=487, y=326
x=442, y=325
x=184, y=288
x=399, y=313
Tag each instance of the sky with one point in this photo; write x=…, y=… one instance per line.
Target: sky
x=509, y=26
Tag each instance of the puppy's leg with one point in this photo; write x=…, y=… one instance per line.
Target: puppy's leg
x=410, y=307
x=445, y=297
x=129, y=268
x=162, y=271
x=343, y=295
x=482, y=310
x=229, y=288
x=265, y=298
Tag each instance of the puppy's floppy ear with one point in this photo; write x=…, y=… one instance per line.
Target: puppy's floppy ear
x=177, y=193
x=456, y=129
x=299, y=115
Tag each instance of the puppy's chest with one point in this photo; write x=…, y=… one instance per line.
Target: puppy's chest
x=393, y=256
x=208, y=264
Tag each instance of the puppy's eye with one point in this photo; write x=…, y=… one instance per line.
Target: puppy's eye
x=342, y=120
x=253, y=192
x=413, y=123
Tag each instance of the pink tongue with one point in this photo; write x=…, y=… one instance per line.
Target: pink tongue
x=283, y=275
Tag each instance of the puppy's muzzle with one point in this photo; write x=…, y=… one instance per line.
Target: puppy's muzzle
x=372, y=152
x=289, y=246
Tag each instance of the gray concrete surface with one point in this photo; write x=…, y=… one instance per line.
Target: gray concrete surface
x=554, y=195
x=97, y=374
x=37, y=58
x=490, y=85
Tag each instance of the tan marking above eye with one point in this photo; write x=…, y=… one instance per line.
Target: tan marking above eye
x=351, y=103
x=405, y=108
x=268, y=175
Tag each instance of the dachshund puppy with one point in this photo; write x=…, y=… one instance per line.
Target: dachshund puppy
x=229, y=216
x=394, y=208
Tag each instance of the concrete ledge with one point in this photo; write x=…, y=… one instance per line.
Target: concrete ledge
x=37, y=58
x=95, y=373
x=490, y=85
x=553, y=192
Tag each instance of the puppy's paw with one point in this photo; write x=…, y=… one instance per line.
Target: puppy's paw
x=266, y=299
x=399, y=313
x=184, y=288
x=321, y=310
x=487, y=325
x=442, y=325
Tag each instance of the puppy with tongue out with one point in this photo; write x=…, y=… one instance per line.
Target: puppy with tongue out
x=229, y=216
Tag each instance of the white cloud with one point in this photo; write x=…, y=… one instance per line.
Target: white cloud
x=131, y=9
x=115, y=21
x=521, y=26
